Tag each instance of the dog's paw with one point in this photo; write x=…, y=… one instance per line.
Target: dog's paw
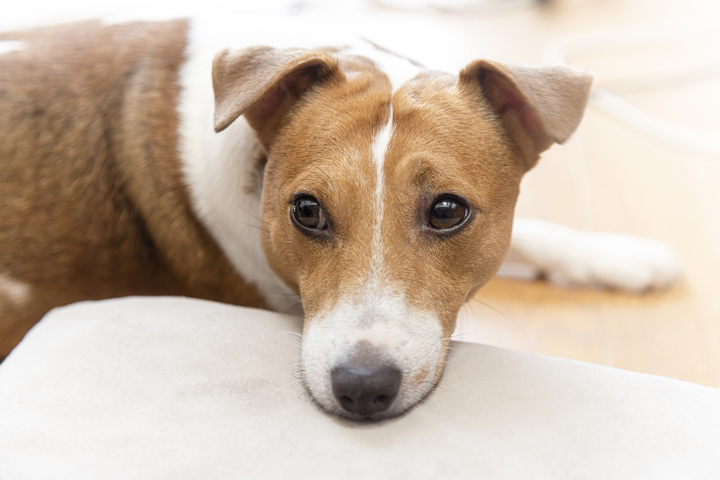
x=609, y=260
x=616, y=261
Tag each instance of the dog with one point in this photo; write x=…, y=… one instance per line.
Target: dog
x=138, y=158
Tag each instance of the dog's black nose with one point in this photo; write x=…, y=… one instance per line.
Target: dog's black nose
x=365, y=387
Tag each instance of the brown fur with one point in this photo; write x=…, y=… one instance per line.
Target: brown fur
x=92, y=202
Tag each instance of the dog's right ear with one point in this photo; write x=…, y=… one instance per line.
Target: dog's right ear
x=263, y=84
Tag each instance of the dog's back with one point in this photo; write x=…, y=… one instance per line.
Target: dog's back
x=92, y=202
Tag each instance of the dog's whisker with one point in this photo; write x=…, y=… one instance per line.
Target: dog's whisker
x=283, y=294
x=254, y=216
x=297, y=345
x=292, y=307
x=255, y=226
x=458, y=335
x=294, y=333
x=294, y=382
x=492, y=308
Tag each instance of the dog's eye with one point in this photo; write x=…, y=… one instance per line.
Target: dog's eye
x=447, y=212
x=308, y=213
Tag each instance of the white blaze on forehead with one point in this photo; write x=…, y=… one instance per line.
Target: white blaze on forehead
x=10, y=46
x=17, y=292
x=379, y=150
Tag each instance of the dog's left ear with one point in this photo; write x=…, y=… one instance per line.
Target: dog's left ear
x=263, y=83
x=537, y=105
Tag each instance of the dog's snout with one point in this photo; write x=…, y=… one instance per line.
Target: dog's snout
x=365, y=387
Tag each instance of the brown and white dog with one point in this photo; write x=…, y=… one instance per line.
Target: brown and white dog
x=138, y=158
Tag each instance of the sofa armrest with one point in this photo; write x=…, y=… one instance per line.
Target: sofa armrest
x=178, y=388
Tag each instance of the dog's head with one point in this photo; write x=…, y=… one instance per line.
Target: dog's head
x=387, y=206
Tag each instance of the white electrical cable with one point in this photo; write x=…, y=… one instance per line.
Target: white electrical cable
x=708, y=20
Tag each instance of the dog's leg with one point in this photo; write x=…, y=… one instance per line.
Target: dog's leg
x=573, y=257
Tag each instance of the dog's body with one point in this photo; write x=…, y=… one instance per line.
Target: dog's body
x=376, y=193
x=93, y=199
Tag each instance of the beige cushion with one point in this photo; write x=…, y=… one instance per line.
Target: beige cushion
x=173, y=388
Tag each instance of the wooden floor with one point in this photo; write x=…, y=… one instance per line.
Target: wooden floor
x=613, y=177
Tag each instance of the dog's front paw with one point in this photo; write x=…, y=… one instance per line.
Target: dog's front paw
x=608, y=260
x=617, y=261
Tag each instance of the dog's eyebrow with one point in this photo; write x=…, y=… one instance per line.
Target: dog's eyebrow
x=421, y=170
x=428, y=178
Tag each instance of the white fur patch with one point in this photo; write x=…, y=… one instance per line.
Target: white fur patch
x=574, y=257
x=379, y=150
x=17, y=292
x=11, y=46
x=411, y=340
x=380, y=147
x=217, y=167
